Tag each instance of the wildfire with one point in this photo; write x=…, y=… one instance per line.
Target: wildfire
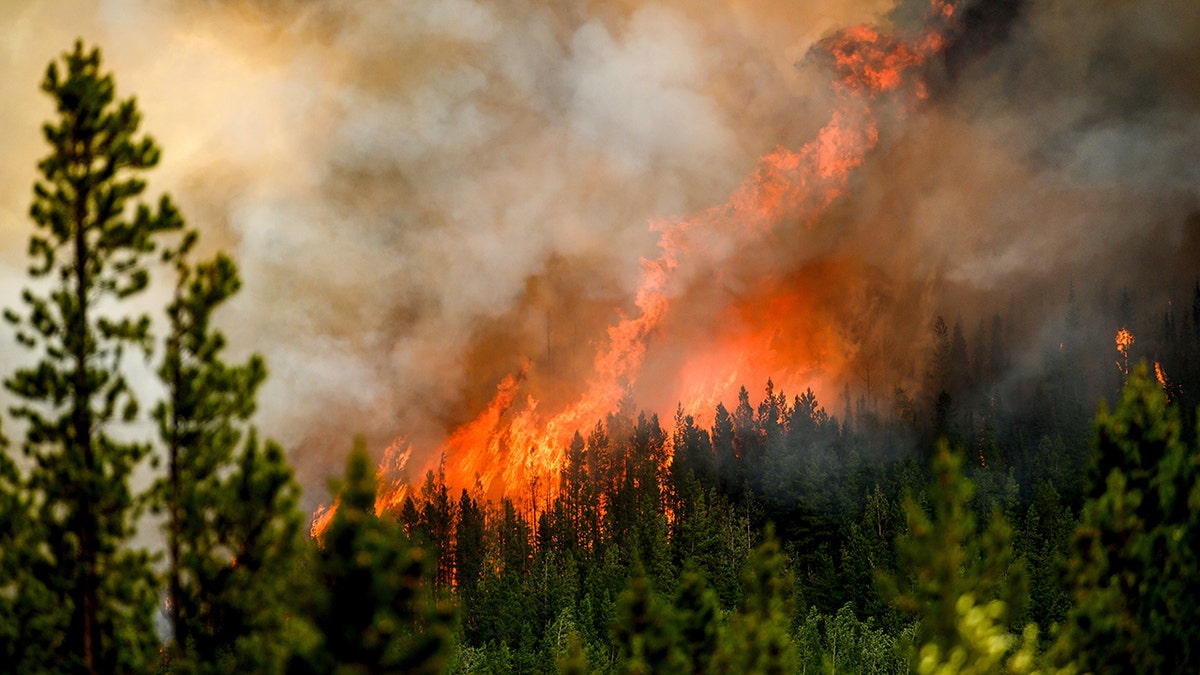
x=1169, y=387
x=1124, y=342
x=393, y=487
x=512, y=442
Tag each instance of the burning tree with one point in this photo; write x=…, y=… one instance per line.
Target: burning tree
x=1124, y=342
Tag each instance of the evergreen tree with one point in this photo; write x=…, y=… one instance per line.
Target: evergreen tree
x=644, y=630
x=747, y=445
x=958, y=376
x=437, y=525
x=759, y=639
x=868, y=552
x=88, y=256
x=1136, y=567
x=963, y=587
x=577, y=492
x=692, y=456
x=698, y=619
x=469, y=558
x=728, y=462
x=371, y=605
x=234, y=532
x=937, y=373
x=246, y=567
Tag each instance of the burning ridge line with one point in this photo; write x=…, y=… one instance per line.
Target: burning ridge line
x=509, y=443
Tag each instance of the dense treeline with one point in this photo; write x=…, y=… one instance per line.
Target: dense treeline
x=966, y=526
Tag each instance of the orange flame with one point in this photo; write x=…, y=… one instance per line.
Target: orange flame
x=512, y=443
x=1124, y=342
x=389, y=496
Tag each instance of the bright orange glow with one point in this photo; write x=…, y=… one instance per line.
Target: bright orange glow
x=1124, y=341
x=1160, y=375
x=321, y=520
x=393, y=483
x=390, y=493
x=781, y=329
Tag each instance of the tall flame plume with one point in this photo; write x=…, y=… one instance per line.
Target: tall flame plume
x=514, y=443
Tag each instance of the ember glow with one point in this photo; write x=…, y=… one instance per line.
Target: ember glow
x=1161, y=376
x=515, y=442
x=1124, y=341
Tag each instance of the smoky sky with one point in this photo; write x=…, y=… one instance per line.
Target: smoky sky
x=423, y=196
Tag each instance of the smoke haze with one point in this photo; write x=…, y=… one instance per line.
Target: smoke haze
x=424, y=196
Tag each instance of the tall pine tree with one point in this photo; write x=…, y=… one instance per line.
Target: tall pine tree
x=89, y=256
x=234, y=532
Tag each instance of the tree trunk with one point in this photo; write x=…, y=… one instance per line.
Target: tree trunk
x=86, y=604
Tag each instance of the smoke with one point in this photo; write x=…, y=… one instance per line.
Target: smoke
x=1063, y=158
x=424, y=196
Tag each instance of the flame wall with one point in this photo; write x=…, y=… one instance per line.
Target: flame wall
x=427, y=198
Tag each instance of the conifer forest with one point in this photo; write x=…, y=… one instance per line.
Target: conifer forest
x=451, y=336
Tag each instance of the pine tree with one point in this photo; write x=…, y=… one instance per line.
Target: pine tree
x=469, y=559
x=964, y=587
x=728, y=462
x=644, y=630
x=759, y=636
x=371, y=605
x=937, y=372
x=88, y=256
x=437, y=525
x=249, y=579
x=747, y=444
x=698, y=621
x=1136, y=563
x=234, y=531
x=577, y=491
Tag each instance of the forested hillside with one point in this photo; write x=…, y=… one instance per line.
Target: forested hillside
x=992, y=519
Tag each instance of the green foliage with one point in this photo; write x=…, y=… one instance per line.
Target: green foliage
x=759, y=636
x=1044, y=541
x=644, y=630
x=1136, y=567
x=372, y=605
x=699, y=621
x=242, y=575
x=88, y=254
x=964, y=586
x=983, y=644
x=841, y=643
x=574, y=660
x=234, y=531
x=31, y=619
